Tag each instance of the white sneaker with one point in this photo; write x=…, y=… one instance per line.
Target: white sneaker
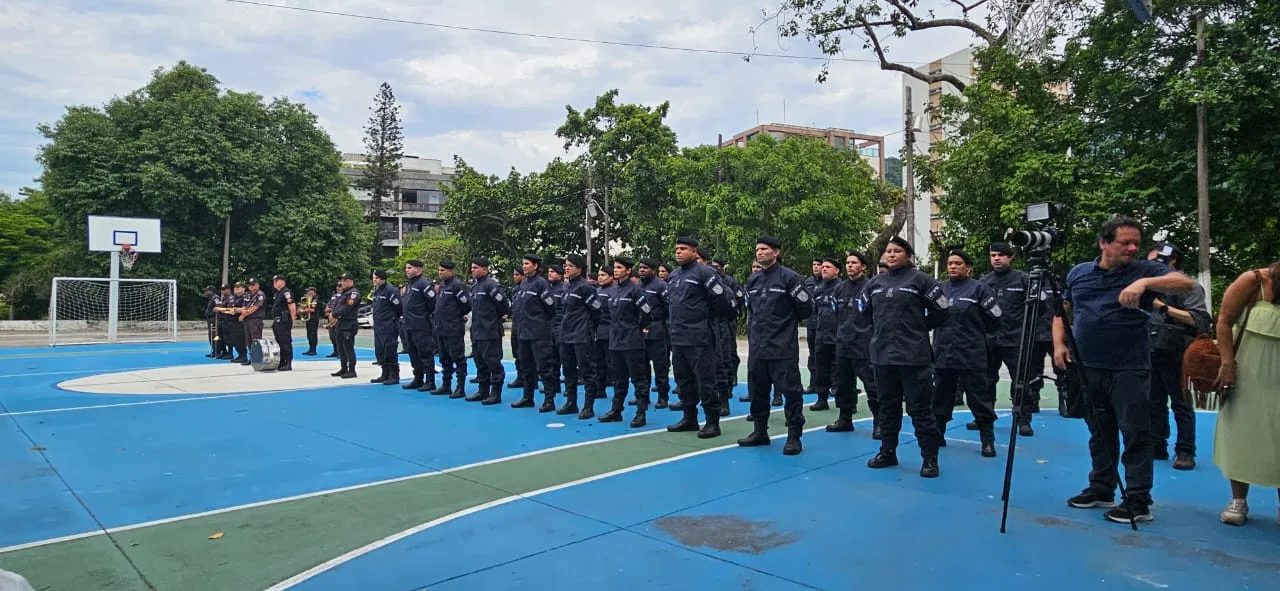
x=1237, y=512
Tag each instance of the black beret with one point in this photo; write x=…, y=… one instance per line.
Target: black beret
x=624, y=261
x=963, y=256
x=348, y=276
x=415, y=263
x=651, y=263
x=688, y=241
x=900, y=241
x=771, y=242
x=556, y=269
x=831, y=260
x=704, y=254
x=533, y=258
x=447, y=264
x=718, y=261
x=480, y=262
x=1002, y=248
x=517, y=271
x=576, y=260
x=380, y=274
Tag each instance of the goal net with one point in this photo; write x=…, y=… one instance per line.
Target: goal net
x=84, y=310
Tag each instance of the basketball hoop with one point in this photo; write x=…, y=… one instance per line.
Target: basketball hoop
x=128, y=256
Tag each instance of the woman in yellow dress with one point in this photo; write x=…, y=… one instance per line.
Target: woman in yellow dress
x=1247, y=435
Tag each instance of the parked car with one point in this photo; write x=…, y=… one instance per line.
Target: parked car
x=365, y=316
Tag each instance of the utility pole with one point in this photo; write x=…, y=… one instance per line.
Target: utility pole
x=586, y=218
x=908, y=173
x=1202, y=172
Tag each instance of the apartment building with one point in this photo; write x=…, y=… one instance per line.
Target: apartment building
x=870, y=147
x=419, y=195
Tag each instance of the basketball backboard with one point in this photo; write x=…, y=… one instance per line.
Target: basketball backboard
x=107, y=233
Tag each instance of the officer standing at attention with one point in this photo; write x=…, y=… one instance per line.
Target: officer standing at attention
x=824, y=323
x=254, y=313
x=960, y=350
x=694, y=296
x=655, y=334
x=1010, y=286
x=579, y=313
x=283, y=311
x=223, y=300
x=779, y=302
x=312, y=323
x=239, y=334
x=328, y=313
x=605, y=290
x=517, y=277
x=1110, y=300
x=453, y=303
x=726, y=335
x=417, y=308
x=211, y=320
x=904, y=304
x=853, y=348
x=811, y=284
x=629, y=311
x=387, y=310
x=489, y=304
x=531, y=310
x=346, y=312
x=555, y=279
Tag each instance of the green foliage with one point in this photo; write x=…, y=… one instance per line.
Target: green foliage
x=815, y=199
x=384, y=147
x=182, y=150
x=430, y=246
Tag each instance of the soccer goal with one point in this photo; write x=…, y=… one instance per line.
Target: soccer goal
x=92, y=310
x=87, y=310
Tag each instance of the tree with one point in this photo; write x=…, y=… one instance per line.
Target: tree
x=430, y=246
x=627, y=146
x=384, y=147
x=816, y=199
x=893, y=171
x=184, y=151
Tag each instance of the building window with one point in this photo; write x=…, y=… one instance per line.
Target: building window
x=839, y=142
x=869, y=151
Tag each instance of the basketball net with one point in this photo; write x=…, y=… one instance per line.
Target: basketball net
x=128, y=256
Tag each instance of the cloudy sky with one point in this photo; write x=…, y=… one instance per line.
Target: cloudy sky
x=493, y=99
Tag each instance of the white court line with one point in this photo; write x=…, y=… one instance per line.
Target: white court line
x=65, y=373
x=374, y=546
x=537, y=452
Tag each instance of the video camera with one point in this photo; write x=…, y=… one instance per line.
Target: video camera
x=1043, y=236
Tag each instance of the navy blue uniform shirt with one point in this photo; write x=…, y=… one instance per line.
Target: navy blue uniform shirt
x=580, y=312
x=853, y=335
x=628, y=311
x=825, y=321
x=897, y=301
x=557, y=297
x=655, y=291
x=605, y=296
x=694, y=295
x=489, y=303
x=1109, y=335
x=1010, y=287
x=452, y=303
x=280, y=305
x=347, y=308
x=532, y=308
x=961, y=341
x=386, y=307
x=779, y=301
x=418, y=305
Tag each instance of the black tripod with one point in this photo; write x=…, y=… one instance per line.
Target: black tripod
x=1024, y=378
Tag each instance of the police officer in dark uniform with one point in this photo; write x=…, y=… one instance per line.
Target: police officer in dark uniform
x=1010, y=286
x=724, y=330
x=239, y=334
x=580, y=311
x=629, y=312
x=489, y=304
x=694, y=295
x=453, y=303
x=555, y=279
x=605, y=290
x=211, y=320
x=853, y=348
x=346, y=311
x=328, y=313
x=531, y=309
x=418, y=306
x=960, y=350
x=823, y=333
x=387, y=310
x=904, y=304
x=283, y=311
x=517, y=277
x=655, y=333
x=779, y=302
x=811, y=284
x=223, y=343
x=254, y=314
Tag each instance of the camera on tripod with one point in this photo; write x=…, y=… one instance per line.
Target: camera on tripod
x=1043, y=236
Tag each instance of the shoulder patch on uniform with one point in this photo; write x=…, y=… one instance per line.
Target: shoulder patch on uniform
x=548, y=300
x=462, y=297
x=595, y=303
x=497, y=295
x=644, y=307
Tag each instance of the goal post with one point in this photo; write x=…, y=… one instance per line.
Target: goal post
x=94, y=310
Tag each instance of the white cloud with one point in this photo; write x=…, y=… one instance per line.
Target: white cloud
x=493, y=99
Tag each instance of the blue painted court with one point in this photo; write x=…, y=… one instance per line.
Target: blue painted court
x=272, y=482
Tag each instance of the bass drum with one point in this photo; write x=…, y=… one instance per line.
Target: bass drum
x=264, y=355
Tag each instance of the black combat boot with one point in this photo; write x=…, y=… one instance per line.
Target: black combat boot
x=415, y=384
x=615, y=412
x=688, y=422
x=570, y=402
x=711, y=428
x=482, y=392
x=548, y=402
x=843, y=423
x=792, y=446
x=884, y=459
x=759, y=435
x=929, y=468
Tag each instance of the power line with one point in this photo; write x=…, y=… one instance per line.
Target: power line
x=752, y=54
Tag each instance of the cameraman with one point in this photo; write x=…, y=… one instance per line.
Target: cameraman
x=1109, y=300
x=1175, y=322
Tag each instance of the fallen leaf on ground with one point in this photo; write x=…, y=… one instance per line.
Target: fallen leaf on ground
x=215, y=536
